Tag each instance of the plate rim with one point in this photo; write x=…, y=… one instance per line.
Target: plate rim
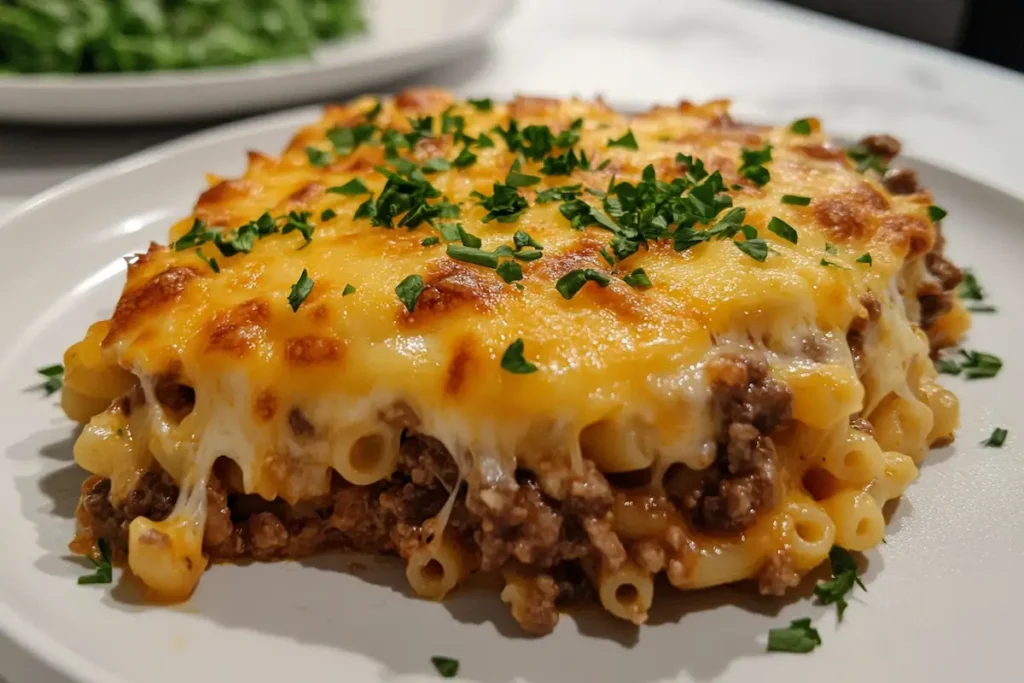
x=32, y=641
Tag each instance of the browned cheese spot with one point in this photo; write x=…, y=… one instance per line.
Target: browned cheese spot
x=264, y=408
x=305, y=195
x=908, y=232
x=843, y=216
x=826, y=152
x=524, y=106
x=423, y=100
x=148, y=300
x=214, y=204
x=458, y=367
x=454, y=286
x=310, y=350
x=239, y=330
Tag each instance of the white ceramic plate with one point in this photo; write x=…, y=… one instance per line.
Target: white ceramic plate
x=942, y=604
x=404, y=36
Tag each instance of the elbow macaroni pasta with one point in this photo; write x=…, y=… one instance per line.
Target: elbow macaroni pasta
x=734, y=420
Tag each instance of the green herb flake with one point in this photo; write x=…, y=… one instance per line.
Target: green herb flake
x=756, y=249
x=865, y=160
x=349, y=289
x=572, y=282
x=801, y=127
x=510, y=271
x=752, y=167
x=936, y=213
x=352, y=187
x=799, y=637
x=628, y=141
x=328, y=214
x=504, y=205
x=472, y=255
x=318, y=157
x=104, y=572
x=523, y=239
x=970, y=288
x=571, y=135
x=299, y=221
x=783, y=229
x=996, y=439
x=638, y=279
x=485, y=104
x=844, y=577
x=982, y=308
x=409, y=290
x=430, y=241
x=464, y=159
x=483, y=141
x=446, y=666
x=517, y=179
x=468, y=239
x=947, y=366
x=980, y=365
x=300, y=290
x=559, y=194
x=198, y=234
x=54, y=375
x=795, y=200
x=865, y=258
x=436, y=165
x=212, y=262
x=513, y=361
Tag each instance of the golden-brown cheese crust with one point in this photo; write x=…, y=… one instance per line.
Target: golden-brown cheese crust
x=599, y=353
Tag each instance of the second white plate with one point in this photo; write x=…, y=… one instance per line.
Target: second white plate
x=404, y=36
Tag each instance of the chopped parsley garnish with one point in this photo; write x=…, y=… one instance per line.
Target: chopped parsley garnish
x=328, y=214
x=299, y=220
x=446, y=666
x=430, y=241
x=54, y=375
x=238, y=241
x=300, y=290
x=452, y=124
x=970, y=288
x=795, y=200
x=409, y=290
x=212, y=262
x=436, y=165
x=572, y=282
x=528, y=255
x=936, y=213
x=318, y=157
x=349, y=289
x=801, y=127
x=451, y=232
x=844, y=577
x=522, y=239
x=464, y=159
x=518, y=179
x=483, y=140
x=512, y=360
x=798, y=637
x=638, y=278
x=571, y=135
x=354, y=186
x=756, y=249
x=980, y=365
x=628, y=141
x=473, y=255
x=604, y=164
x=104, y=572
x=485, y=104
x=422, y=127
x=504, y=205
x=563, y=164
x=783, y=229
x=510, y=271
x=467, y=238
x=865, y=258
x=865, y=160
x=996, y=439
x=375, y=112
x=346, y=140
x=973, y=364
x=831, y=249
x=198, y=234
x=406, y=192
x=607, y=257
x=753, y=161
x=559, y=194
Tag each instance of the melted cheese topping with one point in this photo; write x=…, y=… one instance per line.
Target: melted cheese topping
x=617, y=365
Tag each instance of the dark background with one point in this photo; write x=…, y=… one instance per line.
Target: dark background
x=992, y=30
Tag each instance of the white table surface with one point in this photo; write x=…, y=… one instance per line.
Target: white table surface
x=774, y=61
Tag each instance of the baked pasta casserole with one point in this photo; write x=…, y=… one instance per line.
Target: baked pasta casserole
x=540, y=339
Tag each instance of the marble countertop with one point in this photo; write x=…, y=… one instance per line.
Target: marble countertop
x=774, y=61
